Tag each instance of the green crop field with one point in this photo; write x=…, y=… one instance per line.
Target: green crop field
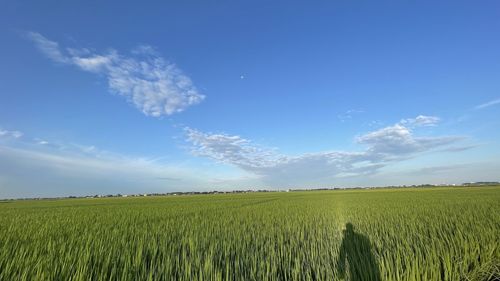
x=389, y=234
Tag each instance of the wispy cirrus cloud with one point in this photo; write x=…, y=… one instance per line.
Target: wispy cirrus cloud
x=10, y=134
x=348, y=115
x=488, y=104
x=36, y=167
x=382, y=147
x=421, y=121
x=155, y=86
x=437, y=169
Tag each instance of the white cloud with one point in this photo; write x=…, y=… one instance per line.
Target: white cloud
x=10, y=134
x=488, y=104
x=390, y=144
x=275, y=168
x=49, y=48
x=398, y=140
x=348, y=114
x=155, y=86
x=28, y=169
x=145, y=50
x=420, y=120
x=41, y=141
x=231, y=149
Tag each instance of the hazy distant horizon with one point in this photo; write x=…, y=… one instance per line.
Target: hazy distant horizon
x=257, y=189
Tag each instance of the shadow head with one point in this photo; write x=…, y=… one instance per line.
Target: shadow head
x=349, y=227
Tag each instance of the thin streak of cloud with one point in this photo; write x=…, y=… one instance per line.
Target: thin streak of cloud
x=49, y=48
x=437, y=169
x=488, y=104
x=168, y=179
x=10, y=134
x=459, y=148
x=421, y=121
x=31, y=169
x=349, y=114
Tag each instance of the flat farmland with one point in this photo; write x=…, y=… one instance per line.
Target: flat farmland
x=383, y=234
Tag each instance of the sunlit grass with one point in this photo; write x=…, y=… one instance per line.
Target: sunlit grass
x=411, y=234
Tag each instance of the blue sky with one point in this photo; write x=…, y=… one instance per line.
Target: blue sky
x=146, y=97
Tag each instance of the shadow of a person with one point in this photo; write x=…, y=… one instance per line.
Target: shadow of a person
x=356, y=257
